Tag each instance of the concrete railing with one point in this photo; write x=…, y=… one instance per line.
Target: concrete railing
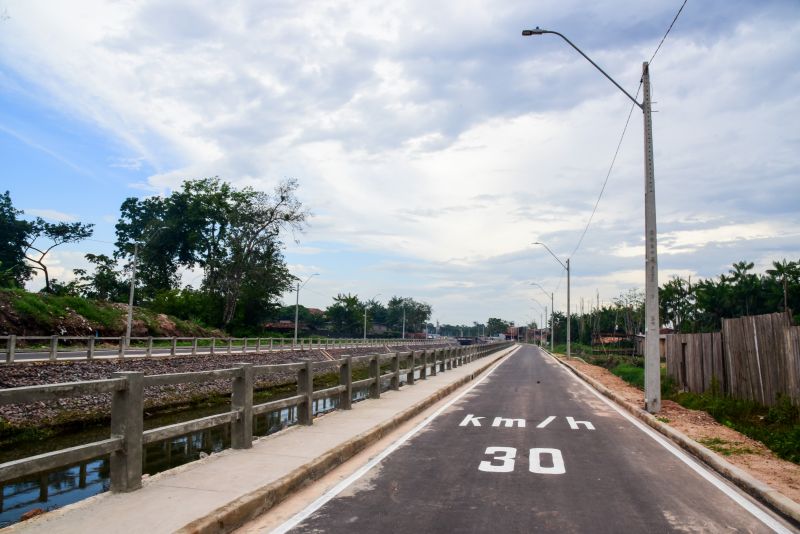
x=128, y=438
x=88, y=347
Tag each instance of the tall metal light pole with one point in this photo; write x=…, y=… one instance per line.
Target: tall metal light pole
x=365, y=314
x=133, y=284
x=297, y=304
x=652, y=357
x=569, y=320
x=552, y=312
x=404, y=323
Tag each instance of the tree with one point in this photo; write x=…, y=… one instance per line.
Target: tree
x=345, y=315
x=495, y=326
x=416, y=313
x=57, y=234
x=676, y=301
x=785, y=272
x=105, y=283
x=14, y=272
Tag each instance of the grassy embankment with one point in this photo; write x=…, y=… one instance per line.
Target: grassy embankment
x=777, y=427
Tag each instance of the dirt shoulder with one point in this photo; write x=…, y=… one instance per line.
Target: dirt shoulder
x=741, y=451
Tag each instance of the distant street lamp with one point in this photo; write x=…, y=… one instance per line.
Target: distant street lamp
x=133, y=284
x=552, y=312
x=297, y=304
x=404, y=322
x=569, y=350
x=652, y=357
x=365, y=314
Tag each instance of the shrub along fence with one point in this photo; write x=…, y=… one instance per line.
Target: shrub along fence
x=754, y=358
x=127, y=438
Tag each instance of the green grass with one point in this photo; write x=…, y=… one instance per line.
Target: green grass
x=725, y=448
x=630, y=373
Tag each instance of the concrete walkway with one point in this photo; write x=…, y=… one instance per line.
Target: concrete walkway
x=225, y=490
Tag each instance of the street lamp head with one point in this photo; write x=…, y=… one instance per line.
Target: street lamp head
x=535, y=31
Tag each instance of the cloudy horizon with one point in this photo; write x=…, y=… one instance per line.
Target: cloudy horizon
x=431, y=141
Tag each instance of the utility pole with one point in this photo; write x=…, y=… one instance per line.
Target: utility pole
x=297, y=305
x=652, y=352
x=130, y=296
x=569, y=319
x=404, y=322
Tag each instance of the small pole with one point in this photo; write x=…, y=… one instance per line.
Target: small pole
x=90, y=348
x=242, y=402
x=375, y=374
x=11, y=349
x=346, y=380
x=126, y=422
x=305, y=387
x=53, y=347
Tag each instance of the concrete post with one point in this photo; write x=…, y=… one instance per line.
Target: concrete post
x=346, y=380
x=149, y=350
x=90, y=348
x=270, y=343
x=412, y=358
x=174, y=347
x=305, y=386
x=435, y=354
x=375, y=374
x=126, y=422
x=244, y=346
x=258, y=345
x=242, y=402
x=11, y=348
x=395, y=384
x=230, y=345
x=121, y=348
x=194, y=346
x=423, y=373
x=53, y=347
x=213, y=345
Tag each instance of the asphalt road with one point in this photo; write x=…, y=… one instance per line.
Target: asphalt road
x=532, y=449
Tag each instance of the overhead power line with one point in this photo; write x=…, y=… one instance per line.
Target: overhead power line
x=622, y=136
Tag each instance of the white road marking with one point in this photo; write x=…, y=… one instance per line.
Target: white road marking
x=338, y=488
x=546, y=422
x=757, y=512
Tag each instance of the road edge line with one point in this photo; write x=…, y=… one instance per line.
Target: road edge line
x=768, y=495
x=257, y=502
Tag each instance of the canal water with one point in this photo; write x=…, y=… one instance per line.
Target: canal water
x=54, y=489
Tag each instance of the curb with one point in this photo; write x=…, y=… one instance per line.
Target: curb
x=761, y=491
x=251, y=505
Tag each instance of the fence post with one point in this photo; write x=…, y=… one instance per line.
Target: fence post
x=194, y=346
x=435, y=365
x=412, y=358
x=11, y=348
x=375, y=373
x=395, y=384
x=174, y=347
x=423, y=373
x=53, y=347
x=258, y=345
x=244, y=346
x=126, y=422
x=305, y=386
x=149, y=351
x=346, y=380
x=230, y=344
x=90, y=348
x=242, y=402
x=213, y=345
x=450, y=354
x=121, y=347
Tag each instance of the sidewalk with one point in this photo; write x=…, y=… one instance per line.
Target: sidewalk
x=223, y=491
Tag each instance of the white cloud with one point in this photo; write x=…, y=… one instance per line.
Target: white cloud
x=52, y=215
x=448, y=148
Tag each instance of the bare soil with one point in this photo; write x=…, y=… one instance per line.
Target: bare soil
x=742, y=451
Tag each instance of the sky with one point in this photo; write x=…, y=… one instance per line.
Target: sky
x=433, y=144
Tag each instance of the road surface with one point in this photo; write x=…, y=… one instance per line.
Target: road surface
x=532, y=449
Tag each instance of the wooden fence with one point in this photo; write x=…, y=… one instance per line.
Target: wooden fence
x=755, y=358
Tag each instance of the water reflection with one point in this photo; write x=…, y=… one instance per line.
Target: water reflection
x=48, y=491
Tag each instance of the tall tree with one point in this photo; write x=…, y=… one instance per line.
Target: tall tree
x=14, y=272
x=57, y=234
x=345, y=314
x=785, y=271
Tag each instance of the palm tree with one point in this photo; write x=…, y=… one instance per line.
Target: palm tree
x=784, y=270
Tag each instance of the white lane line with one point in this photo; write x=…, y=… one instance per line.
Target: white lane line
x=338, y=488
x=757, y=512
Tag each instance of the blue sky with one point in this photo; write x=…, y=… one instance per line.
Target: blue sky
x=431, y=141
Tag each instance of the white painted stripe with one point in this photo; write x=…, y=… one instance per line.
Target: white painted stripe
x=753, y=509
x=546, y=422
x=338, y=488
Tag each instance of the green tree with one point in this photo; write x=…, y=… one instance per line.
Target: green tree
x=784, y=272
x=14, y=272
x=57, y=234
x=495, y=326
x=346, y=315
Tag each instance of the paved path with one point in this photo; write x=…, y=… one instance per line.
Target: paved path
x=533, y=449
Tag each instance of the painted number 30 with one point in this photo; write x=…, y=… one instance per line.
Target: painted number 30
x=503, y=461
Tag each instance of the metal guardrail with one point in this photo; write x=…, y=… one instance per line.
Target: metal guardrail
x=87, y=345
x=127, y=437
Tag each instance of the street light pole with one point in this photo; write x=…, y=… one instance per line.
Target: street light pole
x=404, y=323
x=130, y=296
x=297, y=305
x=365, y=314
x=566, y=267
x=652, y=356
